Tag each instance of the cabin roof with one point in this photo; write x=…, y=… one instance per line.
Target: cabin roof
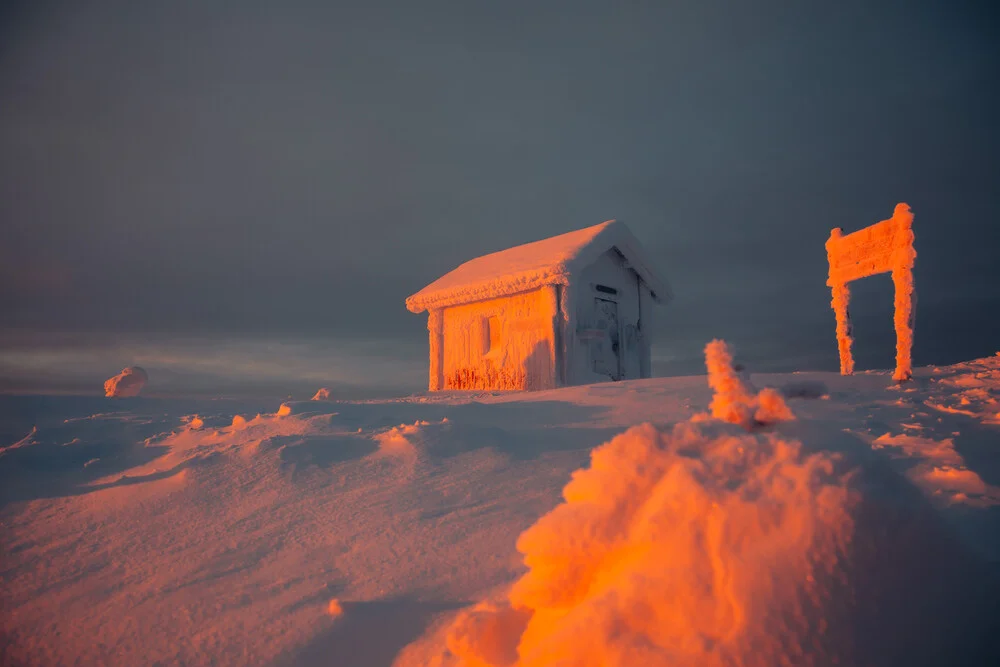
x=551, y=261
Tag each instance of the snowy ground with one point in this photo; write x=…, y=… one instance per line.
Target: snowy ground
x=151, y=531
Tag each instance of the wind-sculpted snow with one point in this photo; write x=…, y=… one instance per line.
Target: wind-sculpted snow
x=939, y=469
x=696, y=545
x=703, y=544
x=732, y=400
x=197, y=531
x=126, y=384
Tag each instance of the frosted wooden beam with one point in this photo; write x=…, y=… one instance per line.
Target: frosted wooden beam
x=435, y=330
x=885, y=247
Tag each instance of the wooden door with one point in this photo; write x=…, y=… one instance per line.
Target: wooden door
x=606, y=348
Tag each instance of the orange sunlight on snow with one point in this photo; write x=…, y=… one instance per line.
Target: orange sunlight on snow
x=698, y=544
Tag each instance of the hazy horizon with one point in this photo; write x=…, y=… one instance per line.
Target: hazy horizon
x=245, y=196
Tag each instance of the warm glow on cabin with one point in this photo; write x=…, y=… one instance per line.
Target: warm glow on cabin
x=576, y=308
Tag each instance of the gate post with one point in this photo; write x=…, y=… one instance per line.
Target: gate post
x=885, y=247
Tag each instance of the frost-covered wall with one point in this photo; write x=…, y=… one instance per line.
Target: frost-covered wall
x=571, y=309
x=591, y=334
x=594, y=329
x=885, y=247
x=506, y=343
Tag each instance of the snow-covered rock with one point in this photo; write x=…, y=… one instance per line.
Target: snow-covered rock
x=127, y=383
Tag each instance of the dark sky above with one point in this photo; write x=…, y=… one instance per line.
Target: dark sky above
x=299, y=168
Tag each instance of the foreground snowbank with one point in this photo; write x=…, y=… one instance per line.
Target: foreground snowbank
x=223, y=532
x=702, y=544
x=694, y=545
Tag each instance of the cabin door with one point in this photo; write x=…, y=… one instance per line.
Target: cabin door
x=606, y=349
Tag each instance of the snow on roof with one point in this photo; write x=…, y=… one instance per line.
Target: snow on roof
x=551, y=261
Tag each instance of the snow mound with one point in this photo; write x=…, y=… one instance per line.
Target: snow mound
x=940, y=470
x=974, y=390
x=694, y=545
x=712, y=543
x=733, y=400
x=127, y=383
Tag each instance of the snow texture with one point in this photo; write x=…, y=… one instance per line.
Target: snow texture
x=667, y=551
x=733, y=400
x=885, y=247
x=697, y=545
x=502, y=344
x=127, y=383
x=551, y=261
x=214, y=531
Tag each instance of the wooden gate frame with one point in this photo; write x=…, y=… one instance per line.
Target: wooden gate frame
x=885, y=247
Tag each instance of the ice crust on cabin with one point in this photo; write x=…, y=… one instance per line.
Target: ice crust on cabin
x=504, y=344
x=551, y=261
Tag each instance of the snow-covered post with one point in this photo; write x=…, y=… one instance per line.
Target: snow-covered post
x=435, y=330
x=902, y=280
x=840, y=302
x=885, y=247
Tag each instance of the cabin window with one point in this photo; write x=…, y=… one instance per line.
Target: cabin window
x=605, y=289
x=492, y=335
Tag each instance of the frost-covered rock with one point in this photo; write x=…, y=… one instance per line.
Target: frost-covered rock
x=127, y=383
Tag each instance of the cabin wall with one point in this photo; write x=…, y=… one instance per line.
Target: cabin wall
x=435, y=324
x=647, y=326
x=586, y=339
x=501, y=344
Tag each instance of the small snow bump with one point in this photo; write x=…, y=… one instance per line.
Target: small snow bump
x=334, y=608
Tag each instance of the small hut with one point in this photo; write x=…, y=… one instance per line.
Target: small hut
x=572, y=309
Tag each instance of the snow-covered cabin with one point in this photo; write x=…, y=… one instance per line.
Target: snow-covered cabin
x=572, y=309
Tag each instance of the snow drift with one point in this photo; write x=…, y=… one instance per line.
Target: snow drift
x=127, y=383
x=235, y=532
x=705, y=544
x=694, y=545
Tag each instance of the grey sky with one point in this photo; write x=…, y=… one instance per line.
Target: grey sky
x=299, y=168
